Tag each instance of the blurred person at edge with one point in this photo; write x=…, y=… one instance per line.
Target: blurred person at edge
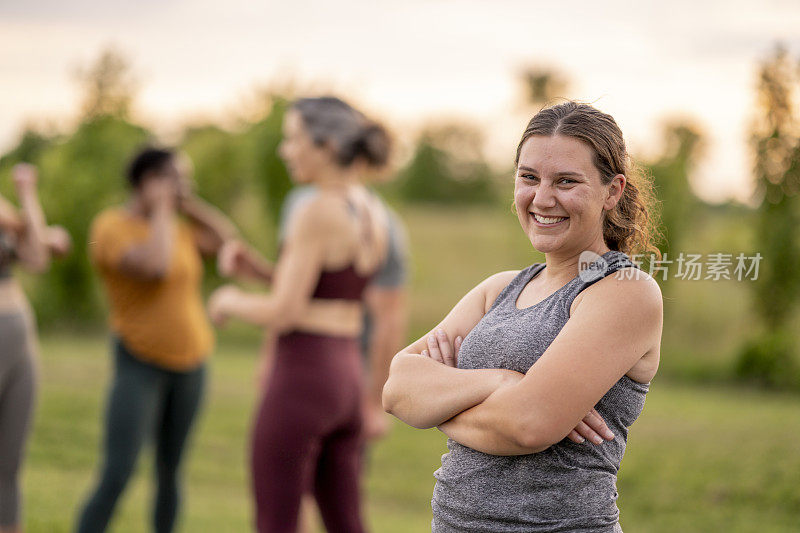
x=534, y=350
x=310, y=426
x=25, y=239
x=148, y=255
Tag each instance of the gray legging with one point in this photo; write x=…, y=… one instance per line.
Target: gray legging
x=17, y=391
x=144, y=399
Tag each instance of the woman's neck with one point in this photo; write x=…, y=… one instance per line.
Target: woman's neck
x=562, y=267
x=137, y=207
x=337, y=180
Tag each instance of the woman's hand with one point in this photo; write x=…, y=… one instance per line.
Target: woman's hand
x=440, y=348
x=221, y=302
x=592, y=427
x=58, y=241
x=184, y=192
x=231, y=257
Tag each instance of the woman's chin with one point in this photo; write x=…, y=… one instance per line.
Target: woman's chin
x=545, y=245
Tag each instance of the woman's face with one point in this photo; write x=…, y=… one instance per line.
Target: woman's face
x=168, y=182
x=305, y=160
x=558, y=195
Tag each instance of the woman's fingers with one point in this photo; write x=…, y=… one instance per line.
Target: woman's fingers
x=445, y=348
x=456, y=349
x=440, y=348
x=597, y=424
x=592, y=428
x=588, y=433
x=433, y=349
x=575, y=437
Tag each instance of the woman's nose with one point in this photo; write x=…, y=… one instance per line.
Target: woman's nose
x=543, y=197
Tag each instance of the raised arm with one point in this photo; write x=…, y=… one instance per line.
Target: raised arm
x=32, y=247
x=151, y=259
x=239, y=260
x=617, y=322
x=10, y=220
x=424, y=393
x=211, y=227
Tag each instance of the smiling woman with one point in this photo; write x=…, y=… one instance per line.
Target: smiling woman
x=535, y=350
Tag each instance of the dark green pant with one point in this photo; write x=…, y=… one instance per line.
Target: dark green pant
x=144, y=401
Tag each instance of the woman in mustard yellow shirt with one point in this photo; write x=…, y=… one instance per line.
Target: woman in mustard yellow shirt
x=149, y=259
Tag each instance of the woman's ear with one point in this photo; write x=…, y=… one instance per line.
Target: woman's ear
x=615, y=189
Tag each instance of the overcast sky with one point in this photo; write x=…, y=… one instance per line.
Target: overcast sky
x=412, y=61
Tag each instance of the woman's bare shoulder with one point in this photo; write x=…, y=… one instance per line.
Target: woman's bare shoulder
x=627, y=287
x=317, y=215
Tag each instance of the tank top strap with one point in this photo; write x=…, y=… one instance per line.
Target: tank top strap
x=364, y=220
x=510, y=292
x=601, y=267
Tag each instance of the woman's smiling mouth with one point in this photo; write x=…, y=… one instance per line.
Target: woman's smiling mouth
x=547, y=222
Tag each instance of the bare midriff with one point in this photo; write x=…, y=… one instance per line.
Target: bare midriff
x=334, y=317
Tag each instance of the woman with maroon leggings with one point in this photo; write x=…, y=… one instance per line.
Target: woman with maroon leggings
x=308, y=429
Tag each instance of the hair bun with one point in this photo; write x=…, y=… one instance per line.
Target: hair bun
x=375, y=144
x=331, y=120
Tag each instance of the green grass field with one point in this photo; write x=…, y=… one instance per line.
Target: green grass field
x=702, y=458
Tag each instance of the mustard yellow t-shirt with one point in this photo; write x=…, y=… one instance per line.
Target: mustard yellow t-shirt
x=162, y=322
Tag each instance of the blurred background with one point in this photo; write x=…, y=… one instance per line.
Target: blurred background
x=705, y=92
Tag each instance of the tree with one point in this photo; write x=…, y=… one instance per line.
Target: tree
x=683, y=146
x=775, y=141
x=447, y=166
x=80, y=177
x=107, y=86
x=542, y=85
x=263, y=139
x=81, y=173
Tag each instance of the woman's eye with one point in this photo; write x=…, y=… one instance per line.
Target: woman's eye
x=567, y=180
x=529, y=176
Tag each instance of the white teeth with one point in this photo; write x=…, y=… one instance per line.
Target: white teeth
x=547, y=220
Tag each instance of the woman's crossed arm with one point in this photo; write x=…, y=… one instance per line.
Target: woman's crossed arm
x=425, y=389
x=617, y=322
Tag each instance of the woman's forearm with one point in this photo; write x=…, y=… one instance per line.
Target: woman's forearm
x=424, y=393
x=151, y=259
x=215, y=226
x=491, y=427
x=9, y=217
x=259, y=310
x=257, y=267
x=33, y=247
x=474, y=429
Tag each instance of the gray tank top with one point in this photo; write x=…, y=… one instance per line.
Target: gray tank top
x=567, y=487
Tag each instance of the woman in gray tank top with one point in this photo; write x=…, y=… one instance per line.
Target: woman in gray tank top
x=535, y=350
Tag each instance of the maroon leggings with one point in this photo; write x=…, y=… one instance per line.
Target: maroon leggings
x=308, y=434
